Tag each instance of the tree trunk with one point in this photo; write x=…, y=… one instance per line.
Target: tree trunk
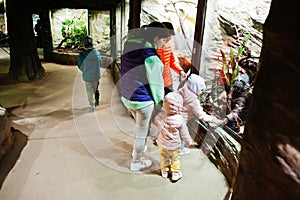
x=25, y=64
x=270, y=155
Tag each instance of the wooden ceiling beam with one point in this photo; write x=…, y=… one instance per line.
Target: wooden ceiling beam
x=76, y=4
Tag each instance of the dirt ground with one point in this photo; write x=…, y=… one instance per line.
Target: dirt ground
x=63, y=152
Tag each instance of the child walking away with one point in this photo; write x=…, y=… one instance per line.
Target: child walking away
x=172, y=131
x=89, y=62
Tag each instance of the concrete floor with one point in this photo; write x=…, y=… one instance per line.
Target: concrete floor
x=63, y=152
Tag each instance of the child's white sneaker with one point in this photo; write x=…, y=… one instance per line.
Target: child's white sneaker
x=176, y=176
x=185, y=151
x=164, y=174
x=143, y=164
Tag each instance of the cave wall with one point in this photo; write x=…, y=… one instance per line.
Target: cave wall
x=270, y=155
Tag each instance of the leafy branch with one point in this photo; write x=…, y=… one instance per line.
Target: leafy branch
x=73, y=31
x=231, y=68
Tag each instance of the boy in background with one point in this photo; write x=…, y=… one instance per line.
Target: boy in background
x=89, y=62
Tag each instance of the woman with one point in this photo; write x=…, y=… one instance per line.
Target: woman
x=142, y=85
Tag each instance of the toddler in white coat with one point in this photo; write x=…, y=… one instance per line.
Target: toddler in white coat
x=172, y=130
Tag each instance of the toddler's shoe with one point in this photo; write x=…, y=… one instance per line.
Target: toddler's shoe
x=176, y=176
x=164, y=174
x=143, y=164
x=185, y=151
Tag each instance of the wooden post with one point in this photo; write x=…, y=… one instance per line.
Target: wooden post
x=134, y=14
x=46, y=34
x=113, y=32
x=198, y=36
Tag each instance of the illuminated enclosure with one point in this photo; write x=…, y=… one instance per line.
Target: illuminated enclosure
x=69, y=26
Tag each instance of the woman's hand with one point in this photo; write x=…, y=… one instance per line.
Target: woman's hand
x=182, y=74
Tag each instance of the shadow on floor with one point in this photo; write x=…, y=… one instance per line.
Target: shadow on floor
x=9, y=160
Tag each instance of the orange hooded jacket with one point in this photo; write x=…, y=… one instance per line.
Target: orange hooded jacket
x=167, y=57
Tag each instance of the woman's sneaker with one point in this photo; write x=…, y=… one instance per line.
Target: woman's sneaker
x=143, y=164
x=176, y=176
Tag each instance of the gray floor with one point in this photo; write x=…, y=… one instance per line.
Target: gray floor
x=73, y=154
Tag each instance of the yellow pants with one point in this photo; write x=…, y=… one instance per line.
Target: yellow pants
x=169, y=159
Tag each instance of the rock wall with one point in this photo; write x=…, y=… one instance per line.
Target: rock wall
x=225, y=20
x=227, y=24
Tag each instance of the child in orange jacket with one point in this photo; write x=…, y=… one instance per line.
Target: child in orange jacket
x=168, y=59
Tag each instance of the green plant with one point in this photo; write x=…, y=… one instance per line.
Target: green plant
x=73, y=31
x=230, y=67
